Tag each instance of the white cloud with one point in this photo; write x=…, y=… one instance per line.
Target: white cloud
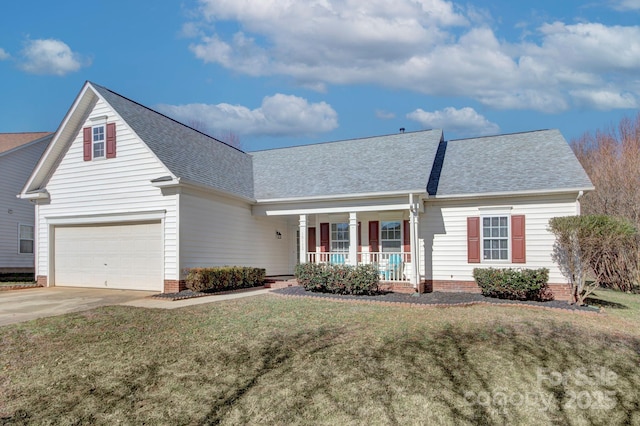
x=384, y=115
x=4, y=54
x=428, y=46
x=625, y=5
x=605, y=100
x=465, y=121
x=50, y=56
x=279, y=115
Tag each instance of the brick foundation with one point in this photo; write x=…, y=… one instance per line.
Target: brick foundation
x=397, y=287
x=41, y=280
x=560, y=291
x=174, y=286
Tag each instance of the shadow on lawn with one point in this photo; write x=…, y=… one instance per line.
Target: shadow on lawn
x=451, y=369
x=348, y=374
x=604, y=303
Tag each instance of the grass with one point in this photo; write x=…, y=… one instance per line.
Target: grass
x=274, y=360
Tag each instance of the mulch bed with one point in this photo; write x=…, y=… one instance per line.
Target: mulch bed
x=435, y=299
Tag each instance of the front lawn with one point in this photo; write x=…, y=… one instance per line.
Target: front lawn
x=275, y=360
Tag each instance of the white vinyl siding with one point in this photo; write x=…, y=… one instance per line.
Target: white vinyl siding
x=444, y=229
x=121, y=185
x=16, y=167
x=218, y=231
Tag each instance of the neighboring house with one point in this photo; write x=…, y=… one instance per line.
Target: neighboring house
x=128, y=198
x=19, y=153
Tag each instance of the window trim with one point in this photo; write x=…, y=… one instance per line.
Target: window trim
x=507, y=238
x=103, y=142
x=400, y=239
x=32, y=239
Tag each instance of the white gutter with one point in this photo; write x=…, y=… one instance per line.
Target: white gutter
x=511, y=194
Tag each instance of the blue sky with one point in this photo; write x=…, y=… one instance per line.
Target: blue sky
x=280, y=73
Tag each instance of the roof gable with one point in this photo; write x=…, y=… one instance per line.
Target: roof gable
x=188, y=154
x=515, y=163
x=383, y=164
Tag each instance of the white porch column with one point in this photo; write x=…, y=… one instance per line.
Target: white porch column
x=303, y=238
x=413, y=229
x=353, y=238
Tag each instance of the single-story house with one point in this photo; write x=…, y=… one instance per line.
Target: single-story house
x=19, y=153
x=128, y=198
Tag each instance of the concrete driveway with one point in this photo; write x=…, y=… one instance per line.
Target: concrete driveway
x=27, y=304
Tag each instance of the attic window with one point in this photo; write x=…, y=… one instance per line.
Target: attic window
x=98, y=140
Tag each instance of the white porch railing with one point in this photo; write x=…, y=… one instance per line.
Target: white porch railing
x=391, y=266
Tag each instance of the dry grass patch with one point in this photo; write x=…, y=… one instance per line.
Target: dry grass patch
x=275, y=360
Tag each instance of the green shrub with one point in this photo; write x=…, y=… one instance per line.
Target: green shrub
x=338, y=279
x=514, y=284
x=224, y=278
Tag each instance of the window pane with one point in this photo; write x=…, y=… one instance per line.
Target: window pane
x=26, y=246
x=503, y=221
x=495, y=221
x=486, y=221
x=26, y=232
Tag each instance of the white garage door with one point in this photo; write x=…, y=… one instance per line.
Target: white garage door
x=123, y=256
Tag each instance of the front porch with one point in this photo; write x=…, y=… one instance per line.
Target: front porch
x=382, y=235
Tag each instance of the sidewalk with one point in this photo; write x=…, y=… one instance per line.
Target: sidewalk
x=151, y=302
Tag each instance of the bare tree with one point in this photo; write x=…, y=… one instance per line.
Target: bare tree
x=227, y=136
x=612, y=160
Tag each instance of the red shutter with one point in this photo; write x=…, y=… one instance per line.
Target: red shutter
x=311, y=240
x=86, y=143
x=473, y=239
x=311, y=243
x=324, y=238
x=359, y=242
x=518, y=246
x=111, y=140
x=406, y=246
x=373, y=236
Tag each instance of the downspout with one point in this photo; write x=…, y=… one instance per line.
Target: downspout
x=578, y=207
x=413, y=211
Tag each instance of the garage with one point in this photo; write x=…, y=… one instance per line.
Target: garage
x=120, y=256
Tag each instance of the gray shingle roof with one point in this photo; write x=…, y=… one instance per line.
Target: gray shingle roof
x=533, y=161
x=399, y=162
x=188, y=153
x=515, y=163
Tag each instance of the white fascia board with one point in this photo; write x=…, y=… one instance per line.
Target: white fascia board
x=136, y=216
x=38, y=195
x=266, y=211
x=340, y=197
x=187, y=184
x=512, y=194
